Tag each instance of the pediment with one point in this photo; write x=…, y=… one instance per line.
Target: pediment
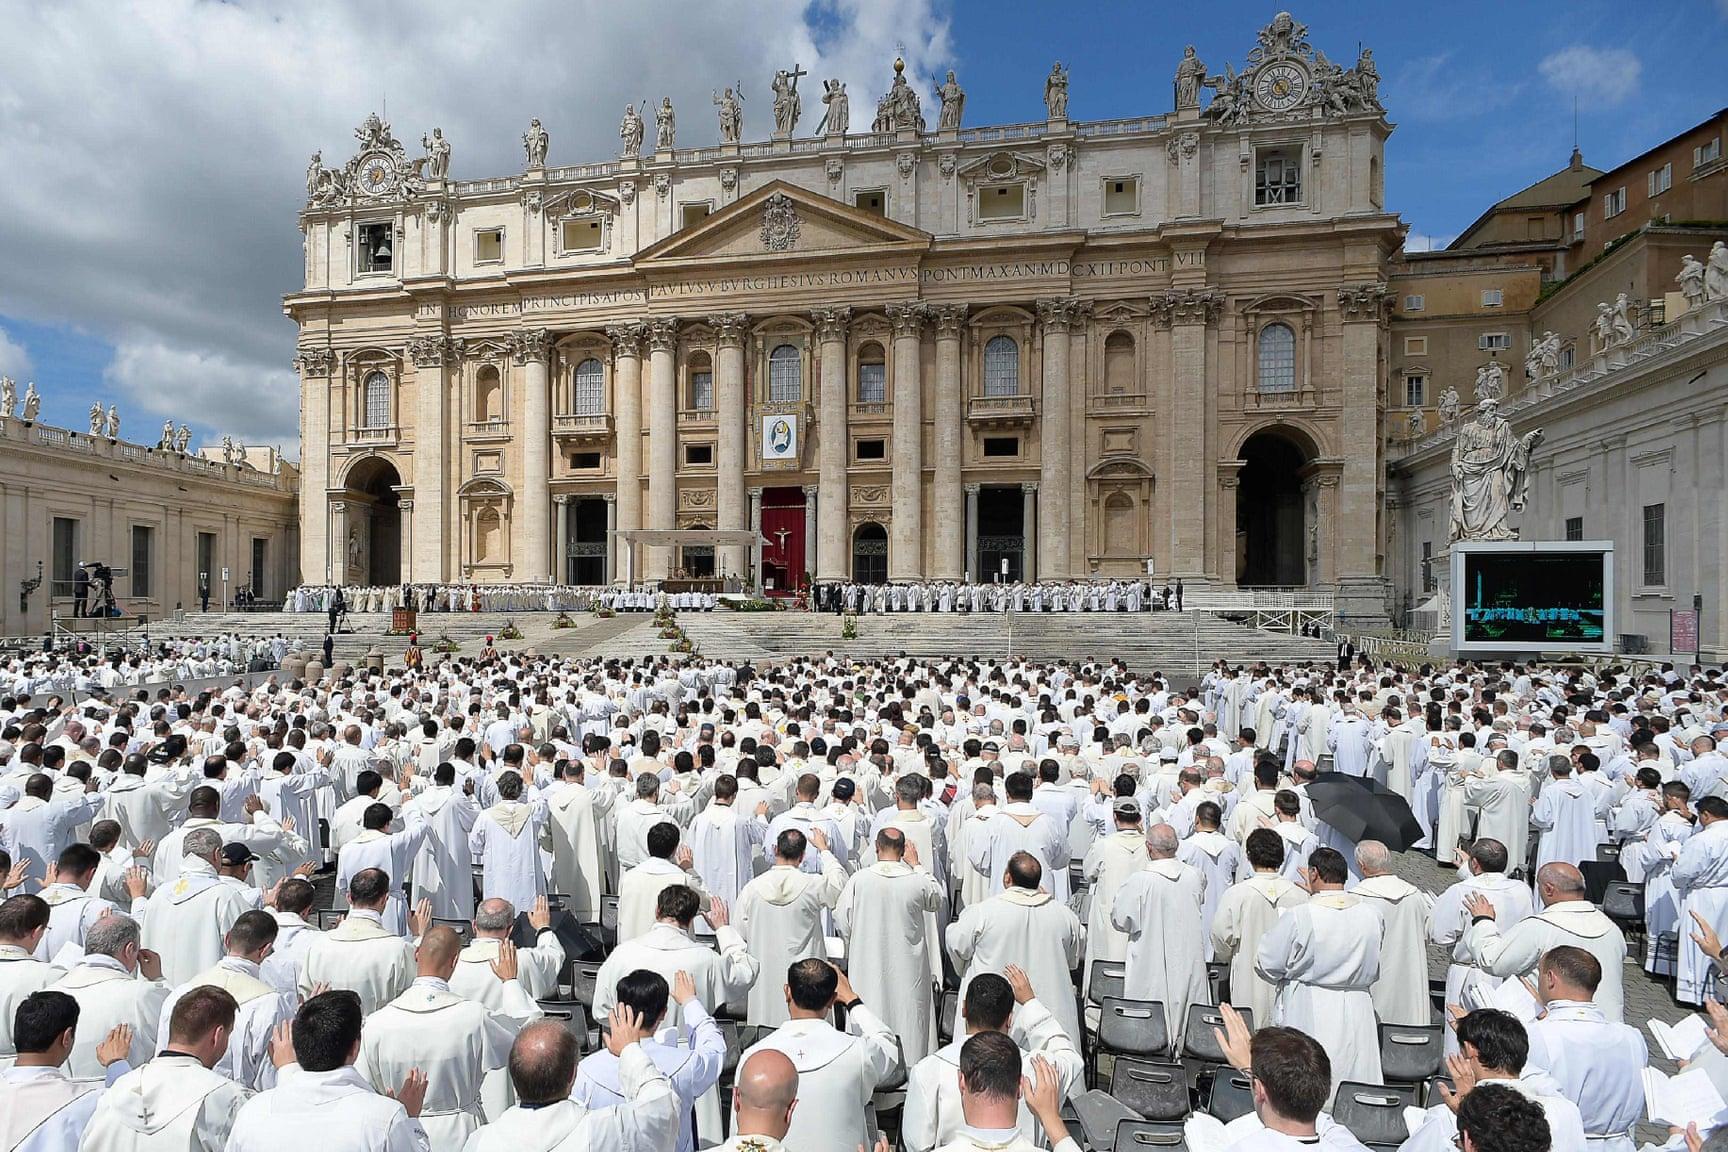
x=781, y=220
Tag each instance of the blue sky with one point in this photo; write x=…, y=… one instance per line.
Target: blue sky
x=154, y=149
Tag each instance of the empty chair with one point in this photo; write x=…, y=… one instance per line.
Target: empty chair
x=1218, y=981
x=1154, y=1089
x=1199, y=1042
x=328, y=918
x=949, y=1014
x=1374, y=1114
x=1410, y=1055
x=1109, y=978
x=1232, y=1095
x=1099, y=1113
x=572, y=1014
x=1131, y=1028
x=585, y=978
x=1141, y=1135
x=609, y=921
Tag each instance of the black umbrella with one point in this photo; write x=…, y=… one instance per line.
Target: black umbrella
x=1362, y=808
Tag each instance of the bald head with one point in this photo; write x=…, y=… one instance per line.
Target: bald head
x=543, y=1063
x=767, y=1087
x=1373, y=858
x=1559, y=882
x=1162, y=842
x=437, y=953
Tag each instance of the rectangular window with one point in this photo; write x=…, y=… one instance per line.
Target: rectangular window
x=1122, y=196
x=1000, y=446
x=1002, y=202
x=1707, y=153
x=1415, y=345
x=1566, y=355
x=1661, y=179
x=208, y=576
x=1577, y=225
x=1415, y=303
x=1574, y=527
x=702, y=391
x=1655, y=545
x=259, y=546
x=875, y=201
x=870, y=450
x=700, y=455
x=1427, y=565
x=583, y=234
x=584, y=461
x=374, y=248
x=873, y=383
x=1492, y=297
x=63, y=564
x=1493, y=342
x=1415, y=387
x=689, y=214
x=1278, y=176
x=1613, y=203
x=488, y=245
x=143, y=542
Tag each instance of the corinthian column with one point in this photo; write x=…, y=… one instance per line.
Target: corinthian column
x=1054, y=460
x=434, y=357
x=729, y=449
x=831, y=495
x=627, y=417
x=314, y=365
x=1188, y=312
x=948, y=501
x=662, y=438
x=906, y=487
x=532, y=347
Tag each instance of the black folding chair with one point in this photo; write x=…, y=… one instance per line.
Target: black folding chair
x=1109, y=978
x=1143, y=1135
x=1232, y=1095
x=1218, y=982
x=1431, y=1090
x=1374, y=1113
x=609, y=922
x=1199, y=1041
x=328, y=918
x=1099, y=1113
x=585, y=979
x=1155, y=1089
x=573, y=1014
x=1130, y=1028
x=1410, y=1055
x=949, y=1016
x=1623, y=903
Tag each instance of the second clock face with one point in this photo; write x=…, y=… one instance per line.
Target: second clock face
x=1280, y=86
x=375, y=175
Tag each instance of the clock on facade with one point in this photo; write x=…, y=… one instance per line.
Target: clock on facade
x=1280, y=86
x=376, y=175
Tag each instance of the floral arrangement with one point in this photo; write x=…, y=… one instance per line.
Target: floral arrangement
x=509, y=631
x=849, y=626
x=444, y=644
x=564, y=620
x=601, y=612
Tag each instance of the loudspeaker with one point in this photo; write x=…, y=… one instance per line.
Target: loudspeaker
x=579, y=943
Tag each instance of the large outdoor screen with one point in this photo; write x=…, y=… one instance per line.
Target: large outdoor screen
x=1535, y=597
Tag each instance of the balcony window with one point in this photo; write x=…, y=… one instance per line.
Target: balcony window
x=872, y=375
x=375, y=409
x=1277, y=359
x=1278, y=176
x=1001, y=367
x=785, y=375
x=588, y=392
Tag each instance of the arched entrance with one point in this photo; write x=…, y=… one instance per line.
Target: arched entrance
x=783, y=563
x=1271, y=514
x=373, y=549
x=870, y=554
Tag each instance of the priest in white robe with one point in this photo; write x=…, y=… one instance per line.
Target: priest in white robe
x=360, y=954
x=42, y=1109
x=1567, y=918
x=723, y=974
x=886, y=915
x=443, y=868
x=1024, y=925
x=1159, y=907
x=1219, y=860
x=1700, y=878
x=668, y=863
x=178, y=1102
x=726, y=840
x=454, y=1041
x=506, y=843
x=1565, y=814
x=1401, y=993
x=781, y=914
x=1351, y=742
x=838, y=1071
x=574, y=828
x=1501, y=796
x=1484, y=872
x=537, y=967
x=1598, y=1062
x=115, y=983
x=259, y=1007
x=184, y=922
x=1109, y=863
x=1017, y=827
x=393, y=853
x=1324, y=956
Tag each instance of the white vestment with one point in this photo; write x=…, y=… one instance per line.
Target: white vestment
x=1109, y=863
x=1160, y=908
x=1324, y=956
x=1565, y=813
x=335, y=1111
x=639, y=894
x=108, y=995
x=575, y=835
x=1449, y=924
x=721, y=977
x=261, y=1008
x=443, y=867
x=1598, y=1064
x=1574, y=922
x=838, y=1073
x=780, y=913
x=172, y=1104
x=361, y=955
x=21, y=974
x=1700, y=879
x=185, y=921
x=1503, y=799
x=1401, y=992
x=648, y=1124
x=884, y=912
x=1027, y=928
x=1020, y=828
x=506, y=843
x=1246, y=912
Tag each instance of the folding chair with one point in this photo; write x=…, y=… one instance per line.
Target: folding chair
x=1201, y=1056
x=1232, y=1095
x=1109, y=978
x=1154, y=1089
x=1140, y=1135
x=949, y=1016
x=574, y=1016
x=1099, y=1113
x=1431, y=1090
x=609, y=922
x=1218, y=982
x=1130, y=1028
x=584, y=980
x=1623, y=903
x=1374, y=1113
x=1410, y=1055
x=464, y=928
x=328, y=918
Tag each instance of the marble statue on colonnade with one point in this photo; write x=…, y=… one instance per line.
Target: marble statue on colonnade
x=1490, y=475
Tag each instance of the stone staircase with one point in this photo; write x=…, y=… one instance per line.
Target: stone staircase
x=364, y=629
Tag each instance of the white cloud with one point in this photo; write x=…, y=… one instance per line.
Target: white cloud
x=156, y=148
x=1598, y=75
x=14, y=357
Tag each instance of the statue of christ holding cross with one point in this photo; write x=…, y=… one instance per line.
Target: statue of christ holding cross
x=787, y=104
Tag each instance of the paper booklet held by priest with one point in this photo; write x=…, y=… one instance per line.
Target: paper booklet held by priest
x=1681, y=1041
x=1688, y=1098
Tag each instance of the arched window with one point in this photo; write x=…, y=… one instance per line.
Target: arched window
x=701, y=373
x=872, y=375
x=375, y=411
x=588, y=388
x=1120, y=536
x=1119, y=364
x=1277, y=359
x=785, y=375
x=488, y=395
x=1001, y=367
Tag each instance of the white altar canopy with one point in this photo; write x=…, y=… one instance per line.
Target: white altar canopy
x=631, y=539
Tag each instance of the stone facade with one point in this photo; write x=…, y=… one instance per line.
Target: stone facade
x=1068, y=347
x=160, y=513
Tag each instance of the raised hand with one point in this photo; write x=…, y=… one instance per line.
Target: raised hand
x=253, y=804
x=115, y=1046
x=1234, y=1039
x=16, y=875
x=282, y=1044
x=137, y=883
x=718, y=916
x=306, y=869
x=1478, y=905
x=540, y=916
x=684, y=859
x=819, y=839
x=683, y=987
x=1043, y=1092
x=624, y=1028
x=1706, y=938
x=1463, y=1079
x=412, y=1094
x=1020, y=982
x=149, y=964
x=505, y=966
x=843, y=987
x=911, y=856
x=421, y=918
x=145, y=850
